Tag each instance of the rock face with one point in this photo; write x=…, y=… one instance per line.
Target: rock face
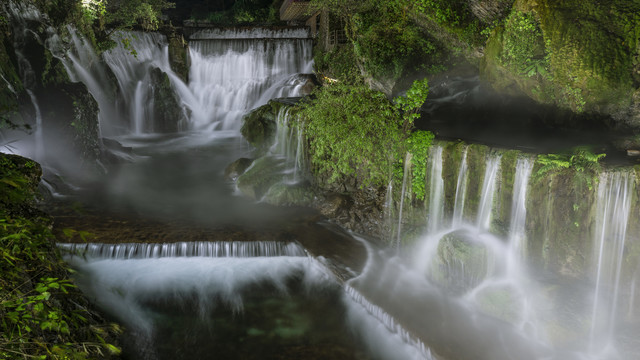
x=168, y=114
x=259, y=126
x=574, y=54
x=461, y=264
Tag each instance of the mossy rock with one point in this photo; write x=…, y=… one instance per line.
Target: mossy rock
x=461, y=263
x=577, y=55
x=168, y=114
x=261, y=176
x=259, y=126
x=284, y=194
x=237, y=168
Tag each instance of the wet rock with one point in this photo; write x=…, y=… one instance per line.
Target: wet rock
x=284, y=194
x=460, y=264
x=237, y=168
x=167, y=109
x=333, y=204
x=261, y=176
x=259, y=126
x=310, y=82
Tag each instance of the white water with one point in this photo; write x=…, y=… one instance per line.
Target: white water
x=436, y=191
x=228, y=76
x=613, y=210
x=517, y=231
x=234, y=73
x=403, y=193
x=289, y=144
x=461, y=191
x=488, y=191
x=122, y=286
x=184, y=249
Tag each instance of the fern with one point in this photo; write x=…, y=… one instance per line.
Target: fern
x=582, y=160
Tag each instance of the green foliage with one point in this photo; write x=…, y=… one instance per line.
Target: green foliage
x=582, y=161
x=125, y=14
x=356, y=131
x=352, y=131
x=41, y=312
x=524, y=46
x=410, y=103
x=387, y=42
x=93, y=10
x=418, y=145
x=337, y=64
x=243, y=12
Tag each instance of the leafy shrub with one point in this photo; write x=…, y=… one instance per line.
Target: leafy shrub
x=355, y=131
x=582, y=161
x=524, y=46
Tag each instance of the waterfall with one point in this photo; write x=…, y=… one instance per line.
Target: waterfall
x=461, y=191
x=132, y=61
x=612, y=217
x=39, y=140
x=21, y=15
x=488, y=190
x=436, y=191
x=289, y=143
x=84, y=65
x=355, y=298
x=184, y=249
x=517, y=232
x=237, y=70
x=407, y=168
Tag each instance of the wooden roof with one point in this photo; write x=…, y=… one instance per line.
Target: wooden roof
x=294, y=10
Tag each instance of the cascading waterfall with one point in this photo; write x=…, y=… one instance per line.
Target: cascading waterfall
x=233, y=71
x=488, y=191
x=461, y=191
x=184, y=249
x=407, y=169
x=23, y=14
x=436, y=191
x=613, y=210
x=517, y=233
x=289, y=143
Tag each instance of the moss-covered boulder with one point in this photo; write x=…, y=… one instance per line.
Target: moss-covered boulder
x=461, y=262
x=283, y=194
x=167, y=109
x=237, y=168
x=259, y=126
x=261, y=176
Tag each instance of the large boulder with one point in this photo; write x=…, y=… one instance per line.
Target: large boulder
x=461, y=263
x=261, y=176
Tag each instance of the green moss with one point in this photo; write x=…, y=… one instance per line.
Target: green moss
x=264, y=173
x=476, y=161
x=575, y=54
x=259, y=126
x=504, y=199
